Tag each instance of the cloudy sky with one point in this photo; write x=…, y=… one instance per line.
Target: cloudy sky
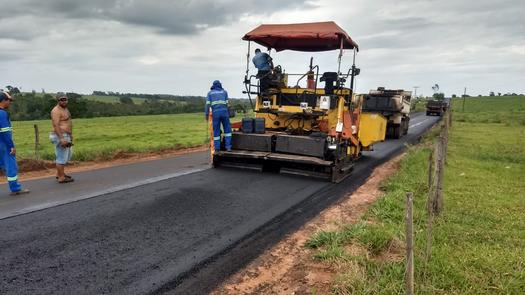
x=180, y=46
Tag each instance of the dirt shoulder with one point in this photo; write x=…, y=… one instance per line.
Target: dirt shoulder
x=31, y=169
x=288, y=267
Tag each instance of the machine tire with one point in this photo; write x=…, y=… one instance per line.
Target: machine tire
x=405, y=126
x=396, y=131
x=389, y=131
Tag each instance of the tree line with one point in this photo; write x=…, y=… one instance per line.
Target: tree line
x=31, y=106
x=148, y=96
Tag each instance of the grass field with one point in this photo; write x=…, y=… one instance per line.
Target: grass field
x=102, y=138
x=112, y=99
x=509, y=110
x=479, y=240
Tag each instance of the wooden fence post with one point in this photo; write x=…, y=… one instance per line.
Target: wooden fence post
x=440, y=175
x=430, y=204
x=37, y=142
x=409, y=218
x=431, y=170
x=445, y=144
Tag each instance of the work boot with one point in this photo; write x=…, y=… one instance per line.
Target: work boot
x=20, y=192
x=66, y=180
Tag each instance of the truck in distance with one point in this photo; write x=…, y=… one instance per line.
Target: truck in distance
x=393, y=105
x=436, y=107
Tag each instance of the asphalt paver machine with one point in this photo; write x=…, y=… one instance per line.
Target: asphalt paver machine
x=305, y=130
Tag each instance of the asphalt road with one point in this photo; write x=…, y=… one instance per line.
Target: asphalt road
x=46, y=192
x=152, y=236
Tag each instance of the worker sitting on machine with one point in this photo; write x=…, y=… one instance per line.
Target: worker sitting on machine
x=217, y=100
x=264, y=64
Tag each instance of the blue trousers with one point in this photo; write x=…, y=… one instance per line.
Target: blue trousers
x=222, y=117
x=8, y=165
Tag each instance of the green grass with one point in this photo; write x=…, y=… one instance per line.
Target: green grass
x=478, y=241
x=102, y=138
x=509, y=110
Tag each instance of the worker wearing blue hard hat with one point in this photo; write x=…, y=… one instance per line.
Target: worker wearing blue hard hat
x=217, y=101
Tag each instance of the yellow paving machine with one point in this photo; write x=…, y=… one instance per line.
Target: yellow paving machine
x=306, y=130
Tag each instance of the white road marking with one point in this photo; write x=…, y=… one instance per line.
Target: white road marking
x=98, y=193
x=417, y=124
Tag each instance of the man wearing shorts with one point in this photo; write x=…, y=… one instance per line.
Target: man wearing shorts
x=62, y=136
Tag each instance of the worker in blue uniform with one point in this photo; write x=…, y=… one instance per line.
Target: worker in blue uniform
x=7, y=147
x=217, y=100
x=264, y=64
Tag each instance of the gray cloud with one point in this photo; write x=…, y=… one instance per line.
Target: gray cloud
x=178, y=17
x=180, y=46
x=408, y=23
x=442, y=23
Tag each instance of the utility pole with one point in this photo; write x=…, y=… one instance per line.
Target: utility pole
x=464, y=97
x=415, y=91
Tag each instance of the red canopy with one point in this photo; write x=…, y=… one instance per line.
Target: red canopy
x=323, y=36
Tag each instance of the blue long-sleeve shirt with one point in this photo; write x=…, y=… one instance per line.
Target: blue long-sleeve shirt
x=261, y=61
x=6, y=131
x=217, y=99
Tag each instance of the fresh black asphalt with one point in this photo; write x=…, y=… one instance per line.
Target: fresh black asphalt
x=150, y=238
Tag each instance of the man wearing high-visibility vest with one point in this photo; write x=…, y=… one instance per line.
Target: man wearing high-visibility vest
x=217, y=100
x=7, y=147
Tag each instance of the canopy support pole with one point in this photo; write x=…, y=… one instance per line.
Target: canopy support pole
x=353, y=75
x=340, y=57
x=247, y=62
x=247, y=81
x=352, y=78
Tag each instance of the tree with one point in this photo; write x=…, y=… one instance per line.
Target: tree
x=73, y=95
x=439, y=95
x=491, y=93
x=454, y=96
x=126, y=100
x=12, y=90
